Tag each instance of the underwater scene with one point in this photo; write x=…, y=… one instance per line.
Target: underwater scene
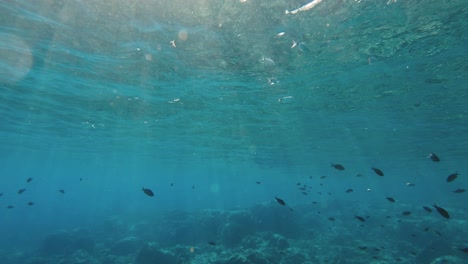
x=233, y=131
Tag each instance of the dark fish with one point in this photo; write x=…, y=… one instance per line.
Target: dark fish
x=331, y=219
x=298, y=183
x=362, y=247
x=406, y=213
x=62, y=191
x=10, y=207
x=323, y=177
x=379, y=172
x=426, y=229
x=304, y=193
x=193, y=186
x=30, y=203
x=1, y=194
x=211, y=243
x=434, y=157
x=452, y=177
x=390, y=199
x=280, y=201
x=29, y=179
x=20, y=191
x=461, y=190
x=349, y=190
x=337, y=166
x=172, y=184
x=441, y=211
x=314, y=202
x=302, y=188
x=255, y=182
x=147, y=191
x=428, y=209
x=81, y=179
x=360, y=218
x=465, y=250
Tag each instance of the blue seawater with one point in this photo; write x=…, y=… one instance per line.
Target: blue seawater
x=220, y=107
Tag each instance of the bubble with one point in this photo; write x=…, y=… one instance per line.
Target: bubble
x=16, y=58
x=183, y=35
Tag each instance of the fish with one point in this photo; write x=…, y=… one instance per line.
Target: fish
x=441, y=211
x=302, y=188
x=211, y=243
x=378, y=171
x=337, y=166
x=461, y=190
x=362, y=247
x=62, y=191
x=426, y=229
x=172, y=184
x=10, y=207
x=390, y=199
x=323, y=177
x=30, y=203
x=331, y=219
x=406, y=213
x=452, y=177
x=193, y=187
x=255, y=182
x=20, y=191
x=81, y=179
x=360, y=218
x=410, y=184
x=147, y=191
x=464, y=250
x=304, y=193
x=29, y=179
x=349, y=190
x=434, y=157
x=427, y=209
x=280, y=201
x=1, y=194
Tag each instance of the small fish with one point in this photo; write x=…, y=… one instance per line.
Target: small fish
x=331, y=219
x=62, y=191
x=1, y=194
x=29, y=179
x=10, y=207
x=257, y=182
x=193, y=187
x=280, y=201
x=406, y=213
x=461, y=190
x=147, y=191
x=360, y=218
x=441, y=211
x=434, y=157
x=20, y=191
x=305, y=193
x=298, y=183
x=337, y=166
x=452, y=177
x=323, y=177
x=173, y=43
x=302, y=189
x=410, y=184
x=349, y=190
x=81, y=179
x=390, y=199
x=426, y=229
x=362, y=247
x=30, y=203
x=378, y=171
x=172, y=184
x=358, y=175
x=427, y=209
x=211, y=243
x=464, y=250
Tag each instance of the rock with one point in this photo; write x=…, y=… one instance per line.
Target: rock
x=150, y=254
x=278, y=242
x=126, y=246
x=66, y=243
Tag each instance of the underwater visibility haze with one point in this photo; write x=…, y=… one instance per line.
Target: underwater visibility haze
x=233, y=131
